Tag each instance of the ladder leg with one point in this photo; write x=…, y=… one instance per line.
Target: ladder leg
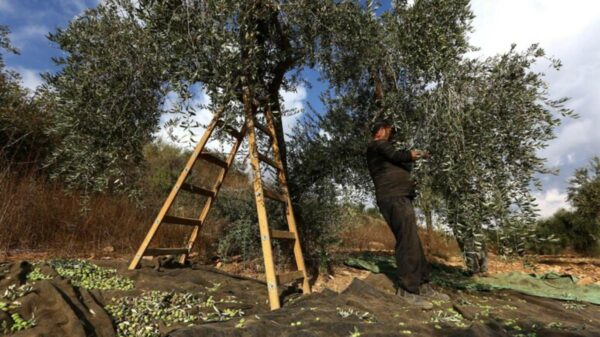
x=260, y=207
x=167, y=204
x=209, y=202
x=289, y=213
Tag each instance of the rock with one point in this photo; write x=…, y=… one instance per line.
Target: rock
x=585, y=281
x=374, y=245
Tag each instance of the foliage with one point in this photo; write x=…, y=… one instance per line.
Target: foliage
x=12, y=294
x=448, y=316
x=20, y=323
x=315, y=196
x=143, y=315
x=558, y=224
x=584, y=193
x=105, y=100
x=90, y=276
x=517, y=238
x=108, y=96
x=241, y=235
x=578, y=228
x=163, y=163
x=346, y=312
x=22, y=122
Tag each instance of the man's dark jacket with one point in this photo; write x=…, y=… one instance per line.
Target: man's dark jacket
x=390, y=170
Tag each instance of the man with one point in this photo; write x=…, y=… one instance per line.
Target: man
x=394, y=190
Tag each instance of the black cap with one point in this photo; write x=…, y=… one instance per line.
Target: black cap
x=381, y=123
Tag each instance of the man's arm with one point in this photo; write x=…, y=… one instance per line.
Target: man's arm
x=398, y=157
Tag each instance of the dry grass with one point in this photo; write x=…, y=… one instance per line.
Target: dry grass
x=37, y=215
x=40, y=216
x=372, y=233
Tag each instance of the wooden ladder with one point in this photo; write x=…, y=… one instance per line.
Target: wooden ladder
x=260, y=193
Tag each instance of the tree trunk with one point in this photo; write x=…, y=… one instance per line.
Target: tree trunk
x=474, y=253
x=475, y=257
x=429, y=225
x=279, y=134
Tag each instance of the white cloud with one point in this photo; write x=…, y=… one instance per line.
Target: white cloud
x=569, y=32
x=293, y=100
x=34, y=30
x=30, y=78
x=551, y=201
x=29, y=34
x=78, y=5
x=500, y=23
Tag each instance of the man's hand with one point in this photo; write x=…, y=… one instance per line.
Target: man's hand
x=418, y=154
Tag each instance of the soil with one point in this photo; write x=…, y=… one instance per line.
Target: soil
x=357, y=306
x=586, y=269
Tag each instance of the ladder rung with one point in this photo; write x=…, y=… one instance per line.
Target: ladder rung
x=181, y=221
x=274, y=195
x=268, y=160
x=211, y=158
x=277, y=234
x=289, y=277
x=229, y=129
x=198, y=190
x=165, y=251
x=263, y=128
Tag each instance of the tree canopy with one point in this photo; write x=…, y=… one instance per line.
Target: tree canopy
x=482, y=119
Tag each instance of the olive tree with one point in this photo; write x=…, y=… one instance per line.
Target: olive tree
x=105, y=100
x=124, y=57
x=482, y=119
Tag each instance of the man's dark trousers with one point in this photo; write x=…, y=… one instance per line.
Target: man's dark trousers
x=413, y=269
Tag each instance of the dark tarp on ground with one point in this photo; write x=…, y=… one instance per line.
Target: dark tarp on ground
x=64, y=310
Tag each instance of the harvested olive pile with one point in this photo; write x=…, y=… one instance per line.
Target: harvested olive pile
x=143, y=315
x=85, y=274
x=37, y=275
x=8, y=303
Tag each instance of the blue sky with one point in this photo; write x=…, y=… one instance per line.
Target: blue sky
x=567, y=30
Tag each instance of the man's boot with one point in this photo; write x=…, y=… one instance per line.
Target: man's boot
x=414, y=299
x=428, y=292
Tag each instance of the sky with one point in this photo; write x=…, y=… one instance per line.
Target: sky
x=566, y=30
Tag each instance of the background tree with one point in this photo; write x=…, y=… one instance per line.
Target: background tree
x=22, y=123
x=584, y=190
x=105, y=100
x=584, y=196
x=579, y=227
